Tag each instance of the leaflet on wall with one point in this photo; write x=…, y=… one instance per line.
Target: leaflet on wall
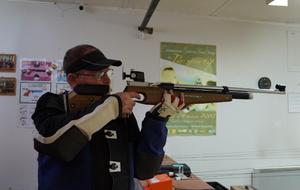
x=195, y=65
x=60, y=74
x=62, y=87
x=294, y=102
x=25, y=112
x=62, y=84
x=293, y=45
x=36, y=70
x=30, y=92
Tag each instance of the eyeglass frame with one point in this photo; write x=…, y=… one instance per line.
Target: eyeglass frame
x=98, y=76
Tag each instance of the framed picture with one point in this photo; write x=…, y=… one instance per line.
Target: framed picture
x=7, y=86
x=8, y=63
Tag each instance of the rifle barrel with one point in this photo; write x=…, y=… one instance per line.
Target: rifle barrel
x=280, y=89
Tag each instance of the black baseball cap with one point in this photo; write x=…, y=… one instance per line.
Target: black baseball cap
x=93, y=61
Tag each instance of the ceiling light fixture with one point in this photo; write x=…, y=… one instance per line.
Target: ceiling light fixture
x=277, y=2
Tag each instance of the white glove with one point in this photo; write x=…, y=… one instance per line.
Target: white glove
x=169, y=106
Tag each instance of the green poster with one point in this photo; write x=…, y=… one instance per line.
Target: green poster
x=191, y=64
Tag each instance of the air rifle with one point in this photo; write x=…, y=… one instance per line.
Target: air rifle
x=152, y=93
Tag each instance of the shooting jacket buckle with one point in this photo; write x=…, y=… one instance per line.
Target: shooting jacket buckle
x=114, y=166
x=110, y=134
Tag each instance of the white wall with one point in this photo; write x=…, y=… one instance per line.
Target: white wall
x=250, y=134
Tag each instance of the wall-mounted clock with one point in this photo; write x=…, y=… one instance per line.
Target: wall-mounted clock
x=264, y=83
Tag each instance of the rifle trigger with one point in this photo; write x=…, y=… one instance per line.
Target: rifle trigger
x=225, y=89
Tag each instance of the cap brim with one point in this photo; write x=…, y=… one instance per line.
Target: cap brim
x=103, y=64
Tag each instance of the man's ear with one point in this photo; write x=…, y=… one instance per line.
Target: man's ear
x=72, y=79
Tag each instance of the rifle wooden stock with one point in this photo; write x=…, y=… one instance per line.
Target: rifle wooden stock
x=150, y=95
x=154, y=95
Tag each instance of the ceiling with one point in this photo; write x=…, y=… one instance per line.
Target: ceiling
x=252, y=10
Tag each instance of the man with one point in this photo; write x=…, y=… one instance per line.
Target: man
x=94, y=148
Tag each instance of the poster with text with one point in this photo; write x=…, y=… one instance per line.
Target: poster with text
x=190, y=64
x=60, y=74
x=62, y=87
x=30, y=92
x=36, y=70
x=25, y=113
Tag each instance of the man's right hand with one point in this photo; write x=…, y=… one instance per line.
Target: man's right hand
x=127, y=101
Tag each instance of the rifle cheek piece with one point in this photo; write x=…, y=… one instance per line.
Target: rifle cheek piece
x=91, y=89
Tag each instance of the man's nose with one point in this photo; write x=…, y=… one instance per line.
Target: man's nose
x=106, y=79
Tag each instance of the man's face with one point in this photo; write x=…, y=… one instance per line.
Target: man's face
x=89, y=77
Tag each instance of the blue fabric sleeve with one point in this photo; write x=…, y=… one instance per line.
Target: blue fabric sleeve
x=153, y=137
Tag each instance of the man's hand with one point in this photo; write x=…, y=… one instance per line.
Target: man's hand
x=169, y=106
x=127, y=101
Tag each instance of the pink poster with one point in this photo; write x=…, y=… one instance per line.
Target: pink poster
x=36, y=70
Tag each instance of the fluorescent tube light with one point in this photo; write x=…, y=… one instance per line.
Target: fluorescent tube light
x=277, y=2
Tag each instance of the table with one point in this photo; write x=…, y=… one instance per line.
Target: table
x=192, y=183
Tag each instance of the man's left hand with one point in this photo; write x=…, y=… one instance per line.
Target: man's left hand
x=169, y=106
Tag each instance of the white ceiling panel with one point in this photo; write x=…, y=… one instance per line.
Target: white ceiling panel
x=252, y=10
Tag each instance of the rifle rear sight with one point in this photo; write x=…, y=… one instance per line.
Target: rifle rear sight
x=135, y=76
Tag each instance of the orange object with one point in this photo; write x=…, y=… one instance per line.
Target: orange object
x=159, y=182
